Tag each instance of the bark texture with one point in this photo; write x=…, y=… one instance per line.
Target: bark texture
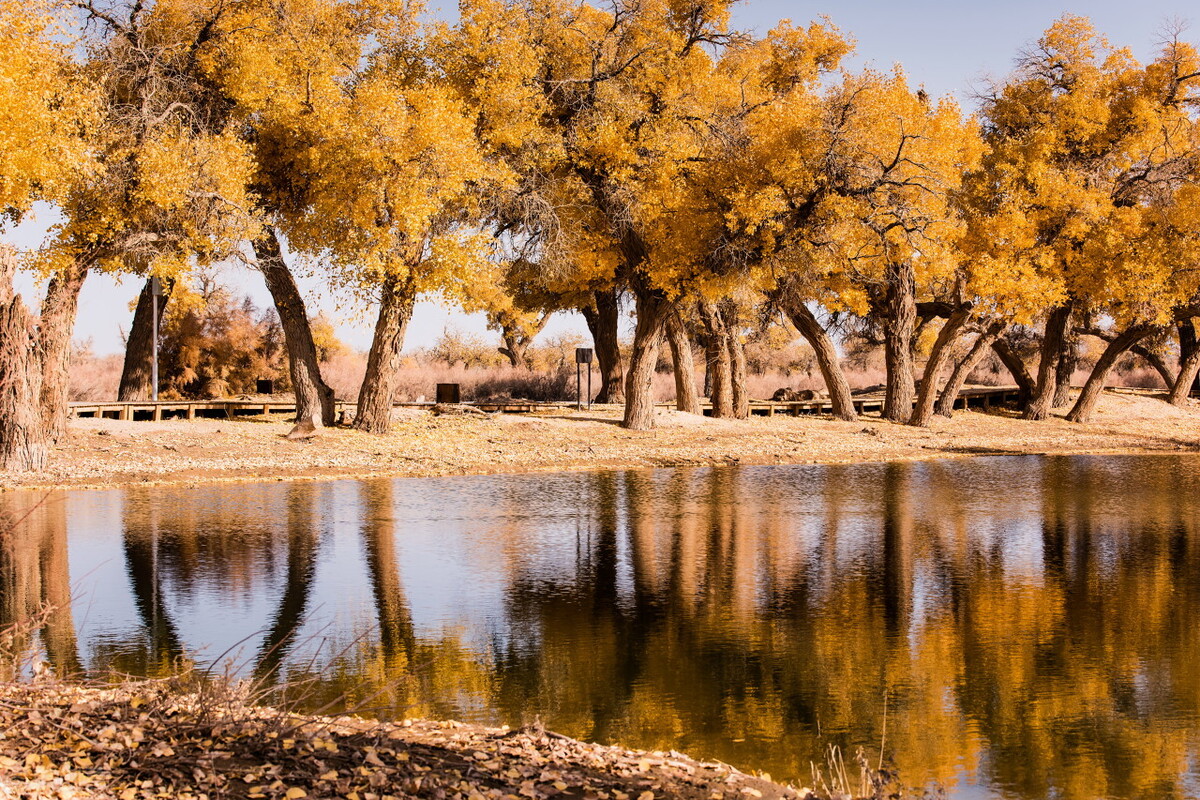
x=1047, y=377
x=139, y=349
x=718, y=363
x=33, y=366
x=1189, y=368
x=1189, y=363
x=686, y=397
x=374, y=412
x=314, y=399
x=1085, y=406
x=827, y=358
x=739, y=393
x=603, y=317
x=922, y=412
x=898, y=313
x=958, y=378
x=55, y=326
x=1068, y=362
x=652, y=312
x=23, y=441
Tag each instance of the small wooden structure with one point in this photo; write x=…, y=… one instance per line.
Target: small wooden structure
x=972, y=397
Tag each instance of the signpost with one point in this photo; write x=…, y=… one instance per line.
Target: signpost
x=583, y=355
x=156, y=291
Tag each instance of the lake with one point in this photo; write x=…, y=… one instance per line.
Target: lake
x=1006, y=627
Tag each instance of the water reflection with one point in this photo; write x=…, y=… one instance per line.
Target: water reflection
x=1031, y=625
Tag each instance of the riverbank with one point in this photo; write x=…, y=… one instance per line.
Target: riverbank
x=150, y=740
x=107, y=453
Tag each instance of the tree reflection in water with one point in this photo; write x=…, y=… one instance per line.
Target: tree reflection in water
x=1034, y=624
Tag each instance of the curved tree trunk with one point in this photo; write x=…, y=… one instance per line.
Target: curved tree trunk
x=139, y=349
x=1189, y=367
x=739, y=395
x=1047, y=379
x=719, y=365
x=517, y=341
x=314, y=399
x=899, y=314
x=686, y=397
x=603, y=321
x=374, y=412
x=922, y=412
x=55, y=326
x=958, y=378
x=1156, y=362
x=652, y=311
x=827, y=359
x=1085, y=406
x=516, y=351
x=1016, y=367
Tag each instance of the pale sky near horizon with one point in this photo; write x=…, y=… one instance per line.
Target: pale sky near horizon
x=949, y=47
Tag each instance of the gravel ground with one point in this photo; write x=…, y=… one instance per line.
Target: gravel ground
x=105, y=453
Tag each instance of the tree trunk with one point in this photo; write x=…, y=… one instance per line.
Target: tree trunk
x=899, y=316
x=1156, y=362
x=1016, y=367
x=33, y=366
x=719, y=364
x=374, y=412
x=1189, y=344
x=739, y=394
x=314, y=399
x=652, y=311
x=515, y=351
x=24, y=444
x=1068, y=361
x=602, y=320
x=1085, y=406
x=517, y=341
x=686, y=398
x=827, y=359
x=55, y=326
x=1047, y=380
x=1189, y=367
x=139, y=349
x=923, y=411
x=958, y=378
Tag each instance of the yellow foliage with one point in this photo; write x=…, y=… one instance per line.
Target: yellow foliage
x=44, y=106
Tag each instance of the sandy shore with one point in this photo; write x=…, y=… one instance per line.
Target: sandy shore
x=152, y=739
x=107, y=453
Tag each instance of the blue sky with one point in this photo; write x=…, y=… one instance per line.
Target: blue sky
x=949, y=47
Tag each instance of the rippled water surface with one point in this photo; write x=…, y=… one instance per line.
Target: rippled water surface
x=1031, y=625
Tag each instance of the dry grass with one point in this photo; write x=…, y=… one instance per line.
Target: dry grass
x=107, y=452
x=95, y=377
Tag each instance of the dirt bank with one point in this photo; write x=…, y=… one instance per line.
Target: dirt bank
x=148, y=740
x=101, y=453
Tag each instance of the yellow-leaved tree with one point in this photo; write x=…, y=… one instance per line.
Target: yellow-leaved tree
x=46, y=113
x=1083, y=145
x=392, y=195
x=284, y=69
x=600, y=113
